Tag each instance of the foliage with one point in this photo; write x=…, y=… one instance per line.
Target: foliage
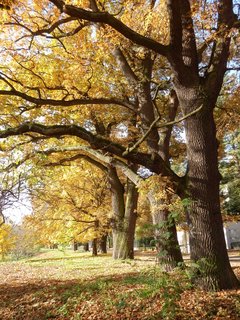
x=70, y=78
x=7, y=240
x=26, y=243
x=230, y=170
x=69, y=204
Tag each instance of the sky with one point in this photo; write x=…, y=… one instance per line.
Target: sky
x=17, y=211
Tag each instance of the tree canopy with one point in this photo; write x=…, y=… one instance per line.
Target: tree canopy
x=117, y=82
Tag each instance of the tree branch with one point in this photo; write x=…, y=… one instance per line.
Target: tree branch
x=66, y=220
x=174, y=11
x=108, y=160
x=170, y=123
x=66, y=103
x=48, y=30
x=226, y=16
x=105, y=17
x=73, y=158
x=156, y=165
x=221, y=49
x=124, y=65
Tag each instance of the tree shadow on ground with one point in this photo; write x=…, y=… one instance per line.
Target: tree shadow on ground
x=111, y=297
x=45, y=299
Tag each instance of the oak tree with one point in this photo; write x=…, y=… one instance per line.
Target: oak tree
x=196, y=52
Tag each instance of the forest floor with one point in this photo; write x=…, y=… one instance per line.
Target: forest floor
x=67, y=285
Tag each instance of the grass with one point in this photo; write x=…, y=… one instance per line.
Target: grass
x=64, y=285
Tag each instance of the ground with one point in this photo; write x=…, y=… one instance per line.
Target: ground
x=67, y=285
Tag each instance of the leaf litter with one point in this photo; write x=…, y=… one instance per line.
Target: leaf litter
x=100, y=288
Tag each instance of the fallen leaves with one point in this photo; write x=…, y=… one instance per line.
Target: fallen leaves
x=101, y=289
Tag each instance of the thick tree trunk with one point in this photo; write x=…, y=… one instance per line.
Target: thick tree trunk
x=124, y=216
x=168, y=250
x=207, y=241
x=103, y=244
x=124, y=231
x=120, y=243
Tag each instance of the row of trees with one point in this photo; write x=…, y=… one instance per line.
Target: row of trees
x=115, y=83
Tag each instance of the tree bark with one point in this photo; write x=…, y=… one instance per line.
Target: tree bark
x=103, y=243
x=207, y=241
x=75, y=246
x=169, y=254
x=86, y=246
x=94, y=247
x=124, y=216
x=118, y=231
x=131, y=216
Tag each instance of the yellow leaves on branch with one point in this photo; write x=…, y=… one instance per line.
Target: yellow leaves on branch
x=72, y=204
x=7, y=239
x=6, y=4
x=152, y=22
x=164, y=198
x=157, y=184
x=78, y=3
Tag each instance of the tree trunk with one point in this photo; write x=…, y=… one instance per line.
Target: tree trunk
x=157, y=144
x=120, y=250
x=94, y=247
x=103, y=243
x=207, y=243
x=124, y=216
x=123, y=233
x=168, y=250
x=86, y=246
x=169, y=254
x=75, y=246
x=120, y=243
x=131, y=216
